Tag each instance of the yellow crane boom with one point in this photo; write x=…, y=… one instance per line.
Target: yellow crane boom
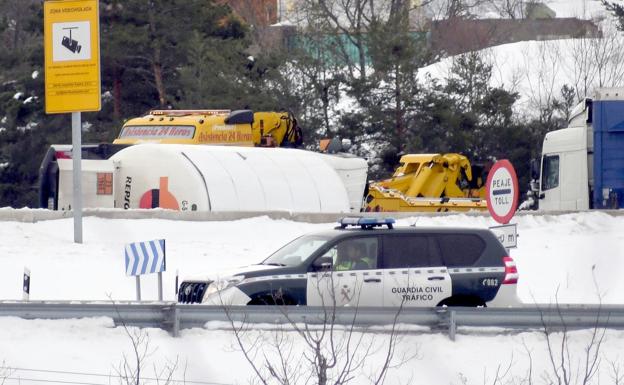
x=429, y=182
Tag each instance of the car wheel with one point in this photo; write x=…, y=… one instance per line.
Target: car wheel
x=268, y=299
x=465, y=301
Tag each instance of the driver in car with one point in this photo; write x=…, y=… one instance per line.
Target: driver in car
x=351, y=257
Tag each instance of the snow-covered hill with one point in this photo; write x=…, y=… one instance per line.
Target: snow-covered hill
x=537, y=70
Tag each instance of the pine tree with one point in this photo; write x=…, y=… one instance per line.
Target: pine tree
x=141, y=58
x=397, y=52
x=618, y=11
x=22, y=122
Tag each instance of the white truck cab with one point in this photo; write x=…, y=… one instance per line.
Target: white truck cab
x=581, y=166
x=566, y=166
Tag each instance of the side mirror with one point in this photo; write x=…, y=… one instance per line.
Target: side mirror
x=346, y=144
x=542, y=196
x=534, y=169
x=534, y=185
x=323, y=263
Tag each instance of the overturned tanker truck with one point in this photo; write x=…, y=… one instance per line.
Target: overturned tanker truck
x=216, y=179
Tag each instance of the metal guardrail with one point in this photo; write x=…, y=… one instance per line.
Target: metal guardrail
x=174, y=317
x=36, y=215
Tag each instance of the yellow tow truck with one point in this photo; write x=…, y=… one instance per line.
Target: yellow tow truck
x=222, y=127
x=430, y=182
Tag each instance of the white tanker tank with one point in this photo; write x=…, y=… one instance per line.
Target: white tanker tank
x=218, y=178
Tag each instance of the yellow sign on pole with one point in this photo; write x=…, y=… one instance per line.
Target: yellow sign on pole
x=72, y=56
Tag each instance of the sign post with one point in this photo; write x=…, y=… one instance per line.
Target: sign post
x=26, y=284
x=146, y=258
x=177, y=281
x=77, y=176
x=72, y=74
x=502, y=201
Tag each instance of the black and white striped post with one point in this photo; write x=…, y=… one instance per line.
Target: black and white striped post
x=146, y=258
x=177, y=282
x=26, y=284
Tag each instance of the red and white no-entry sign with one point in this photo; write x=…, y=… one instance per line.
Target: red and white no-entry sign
x=502, y=191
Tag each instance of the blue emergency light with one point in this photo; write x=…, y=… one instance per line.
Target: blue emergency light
x=366, y=223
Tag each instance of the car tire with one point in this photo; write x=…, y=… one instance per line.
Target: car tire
x=463, y=301
x=267, y=299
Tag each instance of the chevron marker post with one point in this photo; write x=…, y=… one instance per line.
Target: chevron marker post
x=146, y=258
x=26, y=284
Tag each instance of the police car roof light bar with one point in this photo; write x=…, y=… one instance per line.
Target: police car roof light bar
x=366, y=223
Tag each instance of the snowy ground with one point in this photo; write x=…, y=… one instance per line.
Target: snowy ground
x=556, y=253
x=570, y=255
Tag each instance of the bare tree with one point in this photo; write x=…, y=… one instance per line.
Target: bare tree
x=130, y=370
x=528, y=379
x=585, y=62
x=513, y=9
x=617, y=377
x=351, y=21
x=448, y=9
x=321, y=353
x=566, y=367
x=317, y=76
x=596, y=61
x=368, y=51
x=542, y=74
x=5, y=372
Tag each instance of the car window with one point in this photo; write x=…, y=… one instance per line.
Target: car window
x=354, y=254
x=298, y=250
x=460, y=249
x=411, y=251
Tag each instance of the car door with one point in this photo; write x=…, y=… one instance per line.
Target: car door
x=472, y=275
x=413, y=272
x=356, y=285
x=550, y=188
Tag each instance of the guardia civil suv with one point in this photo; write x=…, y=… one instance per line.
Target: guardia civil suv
x=369, y=262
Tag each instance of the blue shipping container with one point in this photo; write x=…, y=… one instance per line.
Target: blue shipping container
x=608, y=125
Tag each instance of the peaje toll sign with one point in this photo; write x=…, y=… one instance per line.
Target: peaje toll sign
x=72, y=56
x=502, y=191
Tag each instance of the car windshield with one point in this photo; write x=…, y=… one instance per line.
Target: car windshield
x=297, y=251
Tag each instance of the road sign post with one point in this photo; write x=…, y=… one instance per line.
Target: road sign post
x=72, y=74
x=177, y=280
x=146, y=258
x=26, y=284
x=502, y=200
x=77, y=176
x=138, y=287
